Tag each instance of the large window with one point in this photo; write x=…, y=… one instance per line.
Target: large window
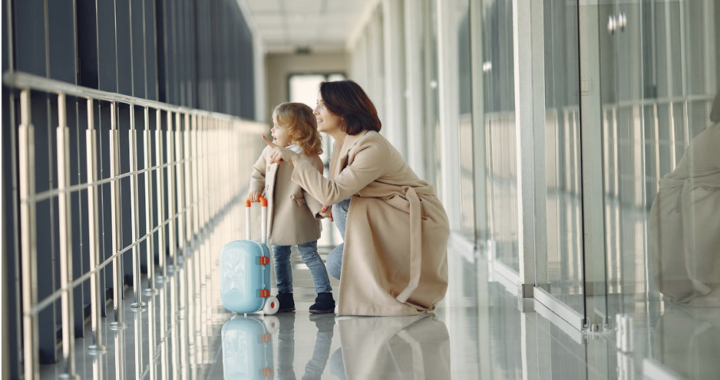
x=303, y=88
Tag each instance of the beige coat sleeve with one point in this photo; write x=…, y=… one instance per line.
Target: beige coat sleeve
x=311, y=202
x=369, y=164
x=257, y=179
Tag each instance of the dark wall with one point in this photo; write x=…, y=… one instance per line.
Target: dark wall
x=10, y=241
x=193, y=53
x=208, y=56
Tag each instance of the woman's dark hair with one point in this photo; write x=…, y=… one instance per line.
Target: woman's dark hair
x=348, y=100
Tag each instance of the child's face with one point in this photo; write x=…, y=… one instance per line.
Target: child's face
x=280, y=134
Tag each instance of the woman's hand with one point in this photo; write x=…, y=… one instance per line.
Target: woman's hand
x=326, y=212
x=280, y=154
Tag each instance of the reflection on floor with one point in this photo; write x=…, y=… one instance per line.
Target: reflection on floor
x=479, y=332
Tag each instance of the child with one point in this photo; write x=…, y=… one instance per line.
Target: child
x=291, y=211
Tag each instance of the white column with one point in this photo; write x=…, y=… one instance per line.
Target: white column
x=478, y=117
x=539, y=155
x=710, y=46
x=261, y=110
x=394, y=60
x=414, y=86
x=591, y=159
x=376, y=65
x=449, y=109
x=526, y=60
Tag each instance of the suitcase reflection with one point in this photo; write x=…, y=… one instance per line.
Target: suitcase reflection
x=247, y=347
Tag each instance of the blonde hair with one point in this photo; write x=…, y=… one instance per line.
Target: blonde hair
x=298, y=118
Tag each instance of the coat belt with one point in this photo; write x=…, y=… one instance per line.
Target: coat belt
x=415, y=244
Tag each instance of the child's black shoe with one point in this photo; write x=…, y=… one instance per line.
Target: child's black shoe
x=324, y=303
x=287, y=303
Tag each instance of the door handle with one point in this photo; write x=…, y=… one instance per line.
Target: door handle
x=612, y=25
x=616, y=23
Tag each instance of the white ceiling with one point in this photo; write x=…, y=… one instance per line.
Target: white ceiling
x=321, y=25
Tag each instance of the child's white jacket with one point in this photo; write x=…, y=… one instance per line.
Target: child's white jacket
x=291, y=211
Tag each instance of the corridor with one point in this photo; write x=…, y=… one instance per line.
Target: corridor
x=572, y=145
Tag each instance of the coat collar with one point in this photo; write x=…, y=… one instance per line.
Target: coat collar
x=341, y=159
x=350, y=141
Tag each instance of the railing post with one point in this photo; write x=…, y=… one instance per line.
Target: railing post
x=196, y=175
x=171, y=191
x=182, y=239
x=191, y=257
x=180, y=184
x=134, y=214
x=28, y=235
x=189, y=206
x=94, y=233
x=173, y=241
x=199, y=279
x=205, y=209
x=196, y=282
x=118, y=284
x=65, y=226
x=149, y=210
x=160, y=178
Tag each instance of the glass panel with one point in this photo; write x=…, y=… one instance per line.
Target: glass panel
x=499, y=124
x=661, y=170
x=465, y=120
x=562, y=154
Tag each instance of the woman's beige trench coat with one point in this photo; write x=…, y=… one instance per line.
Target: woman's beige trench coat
x=395, y=257
x=291, y=212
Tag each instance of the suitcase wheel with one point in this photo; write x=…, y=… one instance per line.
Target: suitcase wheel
x=271, y=306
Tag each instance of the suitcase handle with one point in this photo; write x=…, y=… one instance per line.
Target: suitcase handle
x=263, y=212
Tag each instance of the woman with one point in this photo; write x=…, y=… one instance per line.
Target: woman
x=394, y=259
x=683, y=223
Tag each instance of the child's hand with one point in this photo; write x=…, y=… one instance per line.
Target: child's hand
x=326, y=212
x=280, y=154
x=254, y=196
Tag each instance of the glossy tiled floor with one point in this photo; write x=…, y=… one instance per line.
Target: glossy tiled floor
x=479, y=332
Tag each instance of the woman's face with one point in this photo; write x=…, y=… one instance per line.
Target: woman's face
x=327, y=121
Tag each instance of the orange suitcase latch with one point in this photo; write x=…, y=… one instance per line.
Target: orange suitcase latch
x=264, y=293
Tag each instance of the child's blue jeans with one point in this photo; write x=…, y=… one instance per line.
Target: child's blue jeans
x=311, y=258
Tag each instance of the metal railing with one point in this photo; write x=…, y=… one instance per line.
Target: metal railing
x=206, y=157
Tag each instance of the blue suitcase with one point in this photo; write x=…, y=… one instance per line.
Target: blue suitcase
x=247, y=347
x=245, y=272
